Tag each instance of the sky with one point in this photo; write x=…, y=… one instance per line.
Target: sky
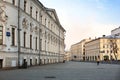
x=83, y=19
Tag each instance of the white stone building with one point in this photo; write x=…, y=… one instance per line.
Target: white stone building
x=116, y=32
x=29, y=32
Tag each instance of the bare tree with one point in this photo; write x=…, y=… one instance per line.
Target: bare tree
x=114, y=47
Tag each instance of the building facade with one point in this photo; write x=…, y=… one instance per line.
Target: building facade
x=116, y=32
x=29, y=32
x=78, y=50
x=67, y=56
x=103, y=48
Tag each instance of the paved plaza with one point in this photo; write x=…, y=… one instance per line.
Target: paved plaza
x=65, y=71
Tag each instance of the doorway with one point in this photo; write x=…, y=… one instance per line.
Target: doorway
x=1, y=63
x=30, y=62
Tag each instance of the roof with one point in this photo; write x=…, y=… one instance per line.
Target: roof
x=55, y=17
x=50, y=10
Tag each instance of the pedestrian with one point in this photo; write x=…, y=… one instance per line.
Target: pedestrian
x=63, y=61
x=98, y=61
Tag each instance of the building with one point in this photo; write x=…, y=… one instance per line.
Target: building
x=67, y=56
x=104, y=48
x=29, y=32
x=116, y=32
x=78, y=50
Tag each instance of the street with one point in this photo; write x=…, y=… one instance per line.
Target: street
x=65, y=71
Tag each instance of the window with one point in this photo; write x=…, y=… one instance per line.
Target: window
x=36, y=43
x=25, y=5
x=107, y=51
x=103, y=46
x=40, y=44
x=41, y=31
x=111, y=51
x=1, y=35
x=30, y=41
x=49, y=24
x=13, y=36
x=31, y=11
x=13, y=2
x=111, y=46
x=36, y=14
x=24, y=39
x=45, y=21
x=41, y=18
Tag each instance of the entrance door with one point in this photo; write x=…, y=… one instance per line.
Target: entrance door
x=35, y=61
x=30, y=62
x=1, y=63
x=106, y=57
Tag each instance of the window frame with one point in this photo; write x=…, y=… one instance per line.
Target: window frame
x=13, y=36
x=24, y=37
x=30, y=41
x=36, y=39
x=31, y=9
x=36, y=15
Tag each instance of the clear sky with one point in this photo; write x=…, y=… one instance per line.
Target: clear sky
x=86, y=18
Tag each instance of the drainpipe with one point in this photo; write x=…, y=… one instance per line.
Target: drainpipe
x=18, y=33
x=59, y=47
x=40, y=40
x=39, y=45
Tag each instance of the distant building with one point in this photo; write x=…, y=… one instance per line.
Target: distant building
x=102, y=48
x=116, y=32
x=78, y=50
x=29, y=32
x=67, y=56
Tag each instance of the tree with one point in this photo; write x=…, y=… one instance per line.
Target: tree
x=114, y=47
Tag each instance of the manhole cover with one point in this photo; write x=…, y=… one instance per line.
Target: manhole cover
x=50, y=77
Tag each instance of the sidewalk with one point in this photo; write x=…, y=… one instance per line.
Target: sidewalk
x=103, y=62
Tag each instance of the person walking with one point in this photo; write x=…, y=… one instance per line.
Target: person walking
x=98, y=61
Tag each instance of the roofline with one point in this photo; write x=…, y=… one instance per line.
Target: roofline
x=101, y=38
x=81, y=41
x=45, y=8
x=51, y=9
x=115, y=29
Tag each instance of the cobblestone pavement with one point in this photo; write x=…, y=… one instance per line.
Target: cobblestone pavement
x=65, y=71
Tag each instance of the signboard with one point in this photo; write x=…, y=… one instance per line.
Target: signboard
x=8, y=34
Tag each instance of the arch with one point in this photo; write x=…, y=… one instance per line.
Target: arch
x=106, y=57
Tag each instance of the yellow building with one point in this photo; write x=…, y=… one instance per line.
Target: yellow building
x=78, y=50
x=104, y=48
x=67, y=56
